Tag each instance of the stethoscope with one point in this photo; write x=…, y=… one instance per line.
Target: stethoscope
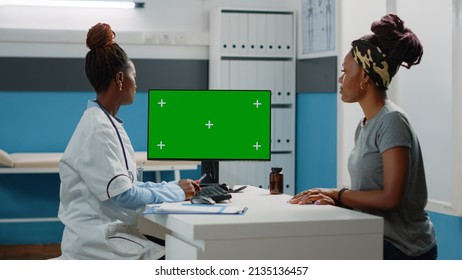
x=130, y=174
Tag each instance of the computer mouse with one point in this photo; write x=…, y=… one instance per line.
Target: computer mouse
x=224, y=186
x=201, y=199
x=236, y=189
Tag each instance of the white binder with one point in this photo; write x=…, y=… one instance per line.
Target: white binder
x=243, y=78
x=270, y=34
x=265, y=76
x=274, y=129
x=288, y=36
x=251, y=71
x=225, y=34
x=252, y=34
x=283, y=126
x=289, y=83
x=233, y=74
x=279, y=79
x=279, y=35
x=234, y=32
x=224, y=74
x=286, y=126
x=243, y=34
x=261, y=33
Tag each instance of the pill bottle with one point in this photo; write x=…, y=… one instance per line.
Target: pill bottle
x=276, y=180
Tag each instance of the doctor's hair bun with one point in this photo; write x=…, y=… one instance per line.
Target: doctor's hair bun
x=100, y=36
x=397, y=41
x=105, y=57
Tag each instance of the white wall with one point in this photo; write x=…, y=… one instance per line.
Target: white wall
x=457, y=105
x=61, y=32
x=355, y=22
x=424, y=91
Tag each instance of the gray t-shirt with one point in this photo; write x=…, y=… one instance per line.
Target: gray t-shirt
x=409, y=228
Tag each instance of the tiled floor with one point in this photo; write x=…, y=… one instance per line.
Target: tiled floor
x=29, y=252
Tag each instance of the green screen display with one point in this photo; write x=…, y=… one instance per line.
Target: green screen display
x=209, y=124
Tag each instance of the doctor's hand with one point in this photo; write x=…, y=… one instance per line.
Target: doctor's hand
x=314, y=196
x=189, y=187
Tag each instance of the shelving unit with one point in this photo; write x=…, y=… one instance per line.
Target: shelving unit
x=255, y=49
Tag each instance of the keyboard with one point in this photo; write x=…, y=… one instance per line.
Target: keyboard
x=215, y=192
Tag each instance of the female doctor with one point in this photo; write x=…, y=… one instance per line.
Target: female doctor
x=99, y=189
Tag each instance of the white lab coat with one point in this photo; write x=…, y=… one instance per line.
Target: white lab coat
x=92, y=170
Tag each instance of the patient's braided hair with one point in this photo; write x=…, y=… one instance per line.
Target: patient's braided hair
x=105, y=57
x=398, y=42
x=390, y=46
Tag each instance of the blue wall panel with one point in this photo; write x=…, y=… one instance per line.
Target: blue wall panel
x=448, y=235
x=316, y=136
x=44, y=122
x=31, y=233
x=29, y=195
x=39, y=121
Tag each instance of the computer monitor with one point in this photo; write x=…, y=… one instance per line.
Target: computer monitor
x=209, y=126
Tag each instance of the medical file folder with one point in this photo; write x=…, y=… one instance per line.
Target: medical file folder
x=188, y=208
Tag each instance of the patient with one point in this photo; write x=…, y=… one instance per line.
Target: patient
x=99, y=189
x=386, y=166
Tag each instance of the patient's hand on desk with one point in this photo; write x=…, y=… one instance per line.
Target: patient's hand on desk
x=314, y=196
x=189, y=187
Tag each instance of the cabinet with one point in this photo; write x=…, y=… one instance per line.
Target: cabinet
x=255, y=49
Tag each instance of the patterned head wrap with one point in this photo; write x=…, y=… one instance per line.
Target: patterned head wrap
x=371, y=58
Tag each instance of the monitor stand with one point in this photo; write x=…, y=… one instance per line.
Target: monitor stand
x=210, y=167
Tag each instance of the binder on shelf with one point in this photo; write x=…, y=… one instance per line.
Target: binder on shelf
x=267, y=76
x=288, y=35
x=278, y=71
x=261, y=172
x=233, y=74
x=262, y=79
x=261, y=33
x=285, y=128
x=252, y=34
x=224, y=64
x=251, y=71
x=270, y=34
x=279, y=33
x=282, y=129
x=273, y=129
x=225, y=34
x=234, y=32
x=278, y=126
x=243, y=77
x=289, y=82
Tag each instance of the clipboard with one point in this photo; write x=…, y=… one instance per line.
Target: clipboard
x=188, y=208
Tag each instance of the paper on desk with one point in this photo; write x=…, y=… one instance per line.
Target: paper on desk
x=188, y=208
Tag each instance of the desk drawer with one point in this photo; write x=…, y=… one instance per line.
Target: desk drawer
x=177, y=249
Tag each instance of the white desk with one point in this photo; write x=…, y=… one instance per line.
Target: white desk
x=271, y=229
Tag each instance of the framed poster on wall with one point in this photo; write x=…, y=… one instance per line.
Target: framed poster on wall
x=317, y=29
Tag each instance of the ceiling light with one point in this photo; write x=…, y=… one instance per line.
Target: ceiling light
x=74, y=4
